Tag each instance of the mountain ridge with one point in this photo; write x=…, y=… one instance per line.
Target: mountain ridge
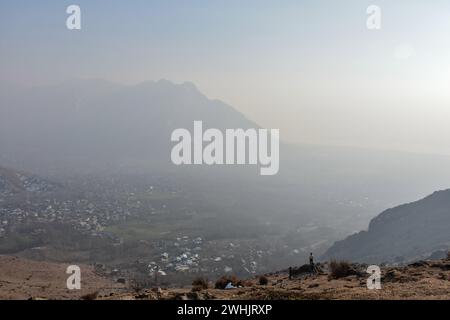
x=404, y=233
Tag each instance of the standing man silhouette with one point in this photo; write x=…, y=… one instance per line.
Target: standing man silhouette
x=311, y=262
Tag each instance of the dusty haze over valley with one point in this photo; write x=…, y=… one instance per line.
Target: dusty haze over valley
x=359, y=96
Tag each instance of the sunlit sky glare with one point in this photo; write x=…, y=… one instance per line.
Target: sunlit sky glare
x=310, y=68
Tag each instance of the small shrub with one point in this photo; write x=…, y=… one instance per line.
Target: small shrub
x=340, y=269
x=196, y=288
x=200, y=283
x=245, y=283
x=222, y=282
x=90, y=296
x=263, y=281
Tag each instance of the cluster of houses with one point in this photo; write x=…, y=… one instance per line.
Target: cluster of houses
x=186, y=255
x=87, y=206
x=81, y=215
x=183, y=256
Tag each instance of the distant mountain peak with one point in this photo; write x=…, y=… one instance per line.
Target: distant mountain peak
x=164, y=83
x=93, y=121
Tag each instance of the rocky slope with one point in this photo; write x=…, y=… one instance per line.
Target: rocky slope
x=24, y=279
x=419, y=281
x=404, y=233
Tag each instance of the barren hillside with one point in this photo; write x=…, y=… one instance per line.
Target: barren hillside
x=25, y=279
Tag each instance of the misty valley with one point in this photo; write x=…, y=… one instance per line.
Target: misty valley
x=88, y=180
x=129, y=228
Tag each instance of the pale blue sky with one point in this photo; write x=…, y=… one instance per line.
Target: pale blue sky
x=310, y=68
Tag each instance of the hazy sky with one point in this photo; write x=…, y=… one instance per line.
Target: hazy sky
x=310, y=68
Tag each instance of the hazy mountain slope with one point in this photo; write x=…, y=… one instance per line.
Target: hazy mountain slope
x=95, y=122
x=406, y=232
